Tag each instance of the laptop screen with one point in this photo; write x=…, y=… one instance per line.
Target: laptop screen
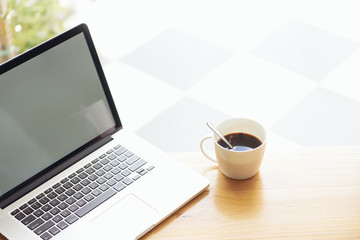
x=51, y=105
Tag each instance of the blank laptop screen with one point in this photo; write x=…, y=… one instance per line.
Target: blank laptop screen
x=50, y=105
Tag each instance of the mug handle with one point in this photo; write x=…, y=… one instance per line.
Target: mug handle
x=204, y=151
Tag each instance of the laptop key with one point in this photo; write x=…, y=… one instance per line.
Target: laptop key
x=48, y=191
x=47, y=216
x=38, y=213
x=93, y=177
x=104, y=187
x=90, y=170
x=78, y=187
x=85, y=182
x=111, y=157
x=72, y=175
x=137, y=164
x=44, y=200
x=126, y=173
x=95, y=202
x=93, y=185
x=121, y=158
x=129, y=154
x=141, y=171
x=78, y=195
x=70, y=201
x=31, y=201
x=46, y=236
x=89, y=197
x=131, y=160
x=62, y=206
x=150, y=168
x=95, y=161
x=115, y=171
x=28, y=210
x=57, y=218
x=68, y=185
x=64, y=180
x=35, y=223
x=52, y=195
x=119, y=186
x=115, y=163
x=105, y=161
x=96, y=192
x=127, y=181
x=136, y=177
x=119, y=177
x=75, y=180
x=70, y=192
x=62, y=197
x=24, y=206
x=100, y=172
x=16, y=211
x=65, y=213
x=60, y=190
x=87, y=165
x=123, y=166
x=107, y=168
x=82, y=175
x=108, y=175
x=28, y=219
x=54, y=202
x=41, y=195
x=62, y=225
x=73, y=208
x=111, y=182
x=97, y=166
x=81, y=202
x=44, y=227
x=120, y=151
x=100, y=180
x=54, y=211
x=54, y=230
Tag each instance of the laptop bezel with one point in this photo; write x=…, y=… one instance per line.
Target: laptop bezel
x=68, y=160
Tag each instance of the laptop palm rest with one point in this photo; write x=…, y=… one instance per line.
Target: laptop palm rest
x=113, y=224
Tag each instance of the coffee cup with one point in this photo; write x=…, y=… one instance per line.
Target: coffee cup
x=248, y=138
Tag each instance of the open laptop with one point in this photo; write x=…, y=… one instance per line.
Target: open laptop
x=66, y=171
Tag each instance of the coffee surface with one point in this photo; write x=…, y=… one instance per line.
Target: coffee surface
x=241, y=141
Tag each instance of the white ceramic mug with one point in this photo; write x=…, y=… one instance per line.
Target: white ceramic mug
x=238, y=164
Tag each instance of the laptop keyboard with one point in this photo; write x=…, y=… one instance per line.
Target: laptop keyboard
x=76, y=195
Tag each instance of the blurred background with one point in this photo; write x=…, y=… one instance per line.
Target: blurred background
x=173, y=65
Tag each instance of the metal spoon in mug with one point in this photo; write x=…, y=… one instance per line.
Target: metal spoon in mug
x=219, y=134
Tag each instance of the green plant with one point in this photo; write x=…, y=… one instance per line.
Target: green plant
x=26, y=23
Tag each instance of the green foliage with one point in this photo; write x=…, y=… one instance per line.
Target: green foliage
x=34, y=21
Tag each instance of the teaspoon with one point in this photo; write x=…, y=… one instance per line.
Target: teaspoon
x=219, y=134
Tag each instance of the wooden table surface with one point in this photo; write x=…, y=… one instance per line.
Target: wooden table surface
x=297, y=194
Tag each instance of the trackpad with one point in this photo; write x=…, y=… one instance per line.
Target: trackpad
x=128, y=218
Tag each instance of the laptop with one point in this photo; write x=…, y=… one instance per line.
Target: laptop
x=68, y=169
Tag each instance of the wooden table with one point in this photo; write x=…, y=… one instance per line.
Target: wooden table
x=298, y=194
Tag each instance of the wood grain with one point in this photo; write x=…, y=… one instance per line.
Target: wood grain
x=297, y=194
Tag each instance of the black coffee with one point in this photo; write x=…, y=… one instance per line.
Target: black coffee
x=240, y=141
